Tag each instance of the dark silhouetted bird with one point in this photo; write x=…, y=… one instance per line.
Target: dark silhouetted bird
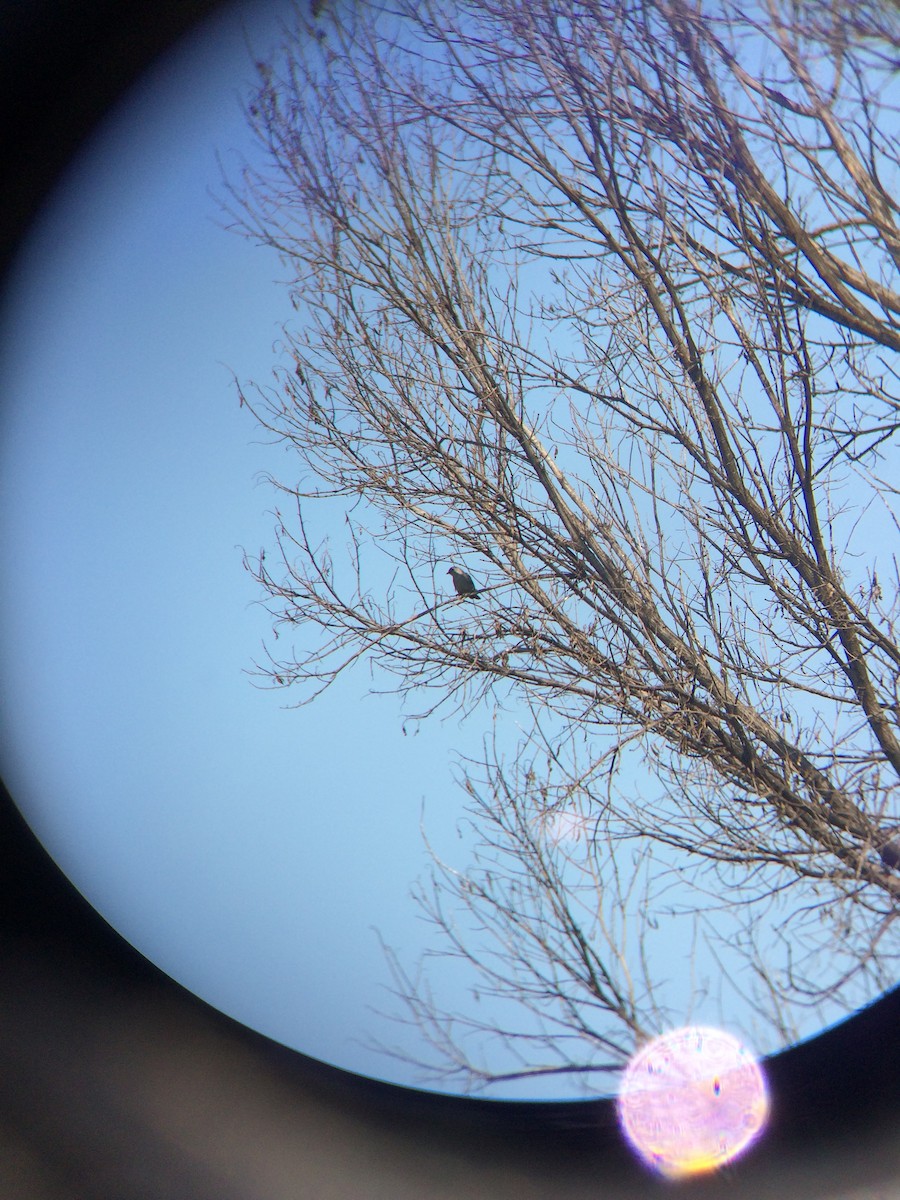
x=890, y=853
x=463, y=583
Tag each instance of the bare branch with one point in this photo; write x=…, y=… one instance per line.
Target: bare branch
x=599, y=300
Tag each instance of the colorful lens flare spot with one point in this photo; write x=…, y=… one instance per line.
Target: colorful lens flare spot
x=692, y=1100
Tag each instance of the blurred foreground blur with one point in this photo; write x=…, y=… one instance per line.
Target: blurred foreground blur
x=116, y=1085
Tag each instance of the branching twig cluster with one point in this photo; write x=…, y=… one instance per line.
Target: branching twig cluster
x=600, y=299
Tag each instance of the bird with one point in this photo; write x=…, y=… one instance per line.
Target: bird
x=463, y=583
x=890, y=852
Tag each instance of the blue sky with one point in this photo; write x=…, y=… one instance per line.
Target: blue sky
x=249, y=849
x=246, y=848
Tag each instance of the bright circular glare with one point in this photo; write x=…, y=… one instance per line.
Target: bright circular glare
x=692, y=1100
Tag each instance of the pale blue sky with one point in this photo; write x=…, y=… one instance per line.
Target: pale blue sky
x=248, y=849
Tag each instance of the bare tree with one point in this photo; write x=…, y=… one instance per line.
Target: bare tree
x=598, y=299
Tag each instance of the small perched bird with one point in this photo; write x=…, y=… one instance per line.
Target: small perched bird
x=890, y=853
x=463, y=583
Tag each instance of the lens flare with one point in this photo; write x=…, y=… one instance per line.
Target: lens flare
x=692, y=1100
